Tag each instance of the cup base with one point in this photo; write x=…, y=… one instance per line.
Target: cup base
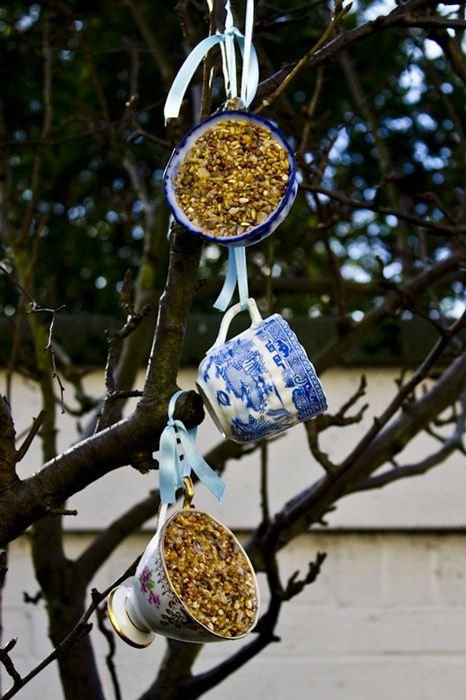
x=122, y=623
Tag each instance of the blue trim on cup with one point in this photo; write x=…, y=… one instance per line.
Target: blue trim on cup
x=256, y=234
x=253, y=394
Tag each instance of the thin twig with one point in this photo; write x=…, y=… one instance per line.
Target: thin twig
x=334, y=22
x=8, y=663
x=110, y=656
x=434, y=226
x=81, y=629
x=264, y=481
x=420, y=374
x=37, y=422
x=450, y=445
x=310, y=111
x=313, y=441
x=37, y=308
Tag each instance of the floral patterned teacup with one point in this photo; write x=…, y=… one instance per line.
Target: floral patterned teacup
x=261, y=382
x=152, y=605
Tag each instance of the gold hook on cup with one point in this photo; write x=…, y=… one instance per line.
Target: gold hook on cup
x=188, y=492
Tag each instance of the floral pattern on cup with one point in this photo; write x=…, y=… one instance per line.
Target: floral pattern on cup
x=148, y=585
x=151, y=603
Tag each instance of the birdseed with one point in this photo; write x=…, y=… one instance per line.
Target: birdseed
x=233, y=178
x=210, y=573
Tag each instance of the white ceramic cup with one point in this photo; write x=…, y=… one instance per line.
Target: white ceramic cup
x=151, y=604
x=260, y=382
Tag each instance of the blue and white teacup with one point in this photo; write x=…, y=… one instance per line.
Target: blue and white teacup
x=260, y=382
x=261, y=230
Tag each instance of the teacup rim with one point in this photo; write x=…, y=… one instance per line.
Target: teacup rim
x=254, y=325
x=254, y=233
x=180, y=600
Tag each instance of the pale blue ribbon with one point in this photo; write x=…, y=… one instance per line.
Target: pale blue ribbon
x=237, y=274
x=250, y=71
x=172, y=469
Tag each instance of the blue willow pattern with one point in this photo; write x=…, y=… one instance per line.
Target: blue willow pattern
x=246, y=377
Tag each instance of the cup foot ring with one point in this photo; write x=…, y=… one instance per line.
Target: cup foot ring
x=121, y=622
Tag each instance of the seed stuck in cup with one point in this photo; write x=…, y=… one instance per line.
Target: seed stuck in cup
x=232, y=178
x=210, y=573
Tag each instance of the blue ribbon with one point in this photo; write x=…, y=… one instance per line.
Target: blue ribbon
x=250, y=71
x=237, y=274
x=172, y=469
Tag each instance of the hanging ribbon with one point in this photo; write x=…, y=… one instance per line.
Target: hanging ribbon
x=237, y=274
x=172, y=468
x=250, y=71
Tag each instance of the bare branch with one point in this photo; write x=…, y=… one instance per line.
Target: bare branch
x=3, y=567
x=414, y=286
x=264, y=482
x=312, y=503
x=101, y=613
x=8, y=457
x=344, y=41
x=82, y=628
x=321, y=457
x=421, y=373
x=340, y=419
x=109, y=538
x=9, y=665
x=340, y=12
x=435, y=227
x=295, y=585
x=450, y=445
x=433, y=22
x=264, y=635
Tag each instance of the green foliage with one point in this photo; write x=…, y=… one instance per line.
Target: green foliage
x=400, y=147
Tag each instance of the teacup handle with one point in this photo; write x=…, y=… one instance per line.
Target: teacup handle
x=228, y=317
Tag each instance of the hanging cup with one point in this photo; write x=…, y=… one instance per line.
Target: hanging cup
x=153, y=605
x=260, y=382
x=260, y=223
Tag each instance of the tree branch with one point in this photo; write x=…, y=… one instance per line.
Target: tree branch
x=8, y=456
x=450, y=445
x=340, y=12
x=435, y=227
x=344, y=41
x=96, y=554
x=80, y=630
x=264, y=634
x=413, y=287
x=311, y=505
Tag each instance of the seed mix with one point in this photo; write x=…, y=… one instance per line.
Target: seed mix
x=210, y=573
x=233, y=178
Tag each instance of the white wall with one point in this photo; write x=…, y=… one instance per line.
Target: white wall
x=387, y=617
x=435, y=500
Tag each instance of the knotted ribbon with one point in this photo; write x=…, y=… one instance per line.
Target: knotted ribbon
x=176, y=438
x=250, y=70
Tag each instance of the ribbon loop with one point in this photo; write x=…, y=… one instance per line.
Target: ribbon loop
x=175, y=441
x=236, y=275
x=250, y=69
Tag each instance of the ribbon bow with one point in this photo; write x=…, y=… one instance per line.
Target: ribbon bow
x=172, y=468
x=250, y=70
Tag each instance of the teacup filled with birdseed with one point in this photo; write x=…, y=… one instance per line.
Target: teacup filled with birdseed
x=232, y=179
x=210, y=573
